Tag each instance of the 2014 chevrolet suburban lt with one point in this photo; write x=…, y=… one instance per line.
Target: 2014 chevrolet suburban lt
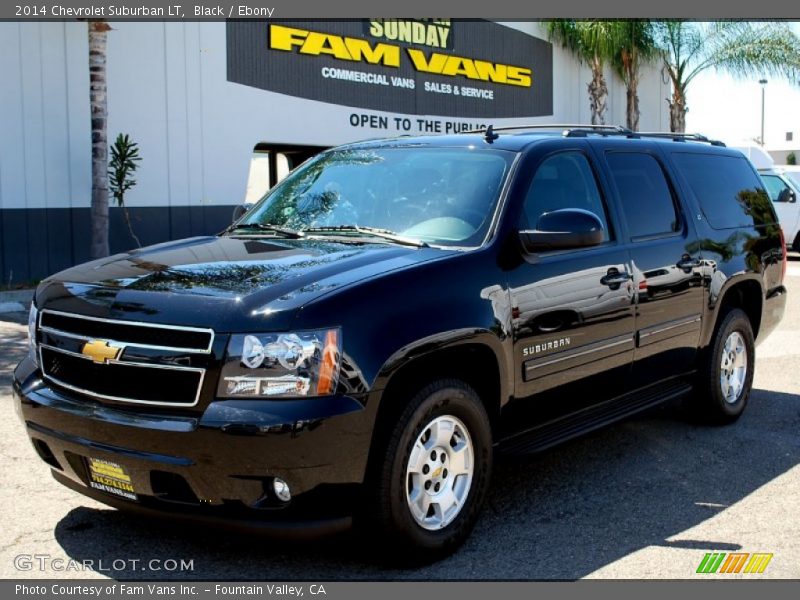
x=363, y=341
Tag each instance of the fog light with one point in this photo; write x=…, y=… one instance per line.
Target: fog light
x=281, y=489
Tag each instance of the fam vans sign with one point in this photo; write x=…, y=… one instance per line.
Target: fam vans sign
x=444, y=67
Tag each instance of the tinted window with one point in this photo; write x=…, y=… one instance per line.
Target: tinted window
x=777, y=188
x=729, y=192
x=644, y=192
x=564, y=180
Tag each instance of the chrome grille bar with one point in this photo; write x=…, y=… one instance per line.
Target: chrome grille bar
x=152, y=326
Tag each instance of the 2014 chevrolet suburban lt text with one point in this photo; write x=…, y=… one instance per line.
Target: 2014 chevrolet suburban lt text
x=363, y=341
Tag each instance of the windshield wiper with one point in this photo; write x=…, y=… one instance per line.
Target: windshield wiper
x=385, y=234
x=289, y=233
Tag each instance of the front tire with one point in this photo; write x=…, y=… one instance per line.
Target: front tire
x=726, y=376
x=434, y=473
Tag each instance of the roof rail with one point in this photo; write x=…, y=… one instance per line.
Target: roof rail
x=568, y=127
x=584, y=130
x=603, y=130
x=681, y=137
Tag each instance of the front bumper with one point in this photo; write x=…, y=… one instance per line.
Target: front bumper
x=217, y=468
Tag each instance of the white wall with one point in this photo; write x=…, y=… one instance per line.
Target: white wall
x=167, y=88
x=44, y=115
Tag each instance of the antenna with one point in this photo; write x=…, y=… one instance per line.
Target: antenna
x=490, y=136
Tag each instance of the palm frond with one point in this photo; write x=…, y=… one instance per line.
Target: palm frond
x=751, y=50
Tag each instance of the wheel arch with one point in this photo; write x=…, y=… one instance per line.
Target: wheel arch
x=746, y=293
x=477, y=358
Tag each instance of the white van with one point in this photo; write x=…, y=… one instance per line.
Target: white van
x=783, y=186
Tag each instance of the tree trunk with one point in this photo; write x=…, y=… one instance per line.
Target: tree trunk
x=99, y=114
x=598, y=93
x=130, y=226
x=632, y=115
x=630, y=68
x=677, y=111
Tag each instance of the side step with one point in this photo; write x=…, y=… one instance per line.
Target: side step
x=564, y=428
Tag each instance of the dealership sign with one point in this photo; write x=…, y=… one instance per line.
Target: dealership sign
x=442, y=67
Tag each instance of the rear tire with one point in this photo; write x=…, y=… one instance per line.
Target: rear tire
x=433, y=474
x=726, y=374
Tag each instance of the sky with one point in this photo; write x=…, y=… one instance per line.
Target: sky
x=730, y=109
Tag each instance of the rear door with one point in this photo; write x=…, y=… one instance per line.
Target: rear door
x=667, y=265
x=572, y=311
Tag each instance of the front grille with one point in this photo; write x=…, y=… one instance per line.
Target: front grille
x=146, y=335
x=122, y=381
x=156, y=365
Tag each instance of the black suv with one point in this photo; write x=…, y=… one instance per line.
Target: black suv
x=365, y=338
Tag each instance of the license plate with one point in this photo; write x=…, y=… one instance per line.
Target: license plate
x=110, y=477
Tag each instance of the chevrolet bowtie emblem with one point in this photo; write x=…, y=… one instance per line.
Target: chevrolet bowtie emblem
x=100, y=352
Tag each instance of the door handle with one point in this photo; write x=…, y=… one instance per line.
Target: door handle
x=688, y=263
x=615, y=277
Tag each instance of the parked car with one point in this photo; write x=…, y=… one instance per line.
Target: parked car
x=783, y=187
x=363, y=341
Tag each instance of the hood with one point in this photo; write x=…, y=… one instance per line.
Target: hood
x=218, y=281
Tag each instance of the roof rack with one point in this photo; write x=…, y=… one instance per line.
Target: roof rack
x=611, y=129
x=603, y=130
x=681, y=137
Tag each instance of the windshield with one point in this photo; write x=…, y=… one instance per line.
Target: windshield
x=442, y=196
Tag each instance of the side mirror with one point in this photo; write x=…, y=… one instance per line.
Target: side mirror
x=563, y=229
x=238, y=211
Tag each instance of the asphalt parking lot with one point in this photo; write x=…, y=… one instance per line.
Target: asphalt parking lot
x=643, y=499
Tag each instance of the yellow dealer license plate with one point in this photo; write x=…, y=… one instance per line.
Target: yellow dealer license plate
x=110, y=477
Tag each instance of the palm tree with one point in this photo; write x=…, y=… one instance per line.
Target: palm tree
x=592, y=42
x=738, y=48
x=98, y=30
x=636, y=45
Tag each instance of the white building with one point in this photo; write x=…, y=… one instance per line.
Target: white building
x=207, y=102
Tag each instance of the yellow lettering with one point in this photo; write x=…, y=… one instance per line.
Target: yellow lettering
x=323, y=43
x=491, y=72
x=457, y=65
x=433, y=65
x=360, y=50
x=404, y=31
x=444, y=33
x=382, y=53
x=418, y=32
x=433, y=38
x=520, y=76
x=284, y=38
x=481, y=70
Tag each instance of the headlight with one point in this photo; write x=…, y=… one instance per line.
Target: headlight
x=33, y=318
x=268, y=365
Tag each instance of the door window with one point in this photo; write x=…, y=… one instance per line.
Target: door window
x=644, y=193
x=564, y=180
x=729, y=192
x=777, y=188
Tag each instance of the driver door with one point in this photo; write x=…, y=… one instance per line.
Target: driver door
x=572, y=310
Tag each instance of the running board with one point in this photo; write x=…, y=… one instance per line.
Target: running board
x=564, y=428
